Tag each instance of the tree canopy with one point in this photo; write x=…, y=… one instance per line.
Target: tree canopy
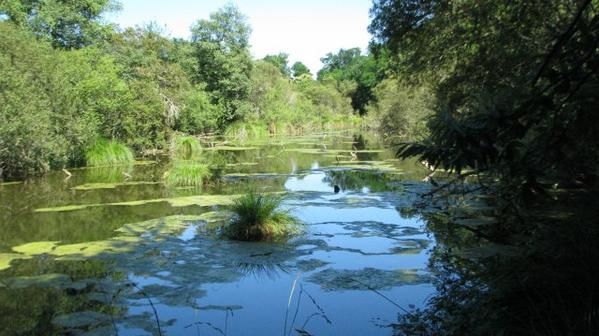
x=67, y=24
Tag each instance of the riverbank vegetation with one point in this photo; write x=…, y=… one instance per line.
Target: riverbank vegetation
x=515, y=108
x=69, y=78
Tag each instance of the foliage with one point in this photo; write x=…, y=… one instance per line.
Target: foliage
x=258, y=217
x=67, y=24
x=198, y=114
x=43, y=124
x=186, y=173
x=515, y=86
x=108, y=153
x=299, y=69
x=350, y=66
x=280, y=61
x=524, y=114
x=224, y=63
x=400, y=111
x=68, y=78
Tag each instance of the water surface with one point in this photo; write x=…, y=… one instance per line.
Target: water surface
x=115, y=251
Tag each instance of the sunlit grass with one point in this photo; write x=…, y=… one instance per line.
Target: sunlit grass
x=108, y=153
x=260, y=217
x=186, y=173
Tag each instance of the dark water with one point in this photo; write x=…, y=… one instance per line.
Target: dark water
x=115, y=251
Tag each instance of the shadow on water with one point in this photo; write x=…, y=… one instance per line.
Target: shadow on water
x=528, y=275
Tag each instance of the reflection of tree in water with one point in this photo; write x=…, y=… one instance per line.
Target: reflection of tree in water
x=359, y=142
x=544, y=284
x=42, y=296
x=355, y=180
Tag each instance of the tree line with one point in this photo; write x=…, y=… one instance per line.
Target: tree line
x=68, y=79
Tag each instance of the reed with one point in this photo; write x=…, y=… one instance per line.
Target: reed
x=259, y=217
x=108, y=153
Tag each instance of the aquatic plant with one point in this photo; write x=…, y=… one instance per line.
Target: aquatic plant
x=259, y=217
x=186, y=147
x=186, y=173
x=108, y=152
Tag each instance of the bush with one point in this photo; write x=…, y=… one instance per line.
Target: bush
x=108, y=153
x=198, y=115
x=186, y=173
x=258, y=217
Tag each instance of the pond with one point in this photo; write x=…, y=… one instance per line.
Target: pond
x=113, y=250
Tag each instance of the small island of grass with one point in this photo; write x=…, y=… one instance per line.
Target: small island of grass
x=258, y=217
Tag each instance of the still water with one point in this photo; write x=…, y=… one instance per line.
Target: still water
x=113, y=251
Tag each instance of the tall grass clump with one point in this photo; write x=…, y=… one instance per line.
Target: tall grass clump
x=186, y=173
x=186, y=147
x=259, y=217
x=107, y=153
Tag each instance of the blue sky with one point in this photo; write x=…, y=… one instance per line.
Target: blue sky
x=305, y=29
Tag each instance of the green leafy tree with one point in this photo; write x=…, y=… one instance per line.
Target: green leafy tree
x=68, y=24
x=223, y=59
x=510, y=98
x=349, y=65
x=299, y=69
x=281, y=61
x=516, y=100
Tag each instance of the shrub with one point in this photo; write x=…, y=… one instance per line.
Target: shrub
x=186, y=173
x=258, y=217
x=107, y=153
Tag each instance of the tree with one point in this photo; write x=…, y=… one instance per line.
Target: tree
x=68, y=24
x=223, y=59
x=281, y=62
x=350, y=65
x=516, y=105
x=300, y=69
x=506, y=102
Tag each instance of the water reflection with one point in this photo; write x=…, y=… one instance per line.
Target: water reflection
x=356, y=247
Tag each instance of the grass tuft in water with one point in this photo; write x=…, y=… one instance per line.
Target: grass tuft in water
x=186, y=173
x=106, y=153
x=186, y=147
x=259, y=217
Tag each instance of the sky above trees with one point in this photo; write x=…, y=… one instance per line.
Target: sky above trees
x=306, y=30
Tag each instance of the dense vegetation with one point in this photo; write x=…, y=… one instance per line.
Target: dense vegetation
x=515, y=87
x=70, y=80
